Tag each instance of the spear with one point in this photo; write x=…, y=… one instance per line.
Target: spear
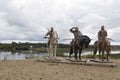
x=48, y=29
x=110, y=39
x=68, y=39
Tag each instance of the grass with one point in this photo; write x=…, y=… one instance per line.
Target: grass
x=115, y=56
x=61, y=51
x=112, y=56
x=88, y=56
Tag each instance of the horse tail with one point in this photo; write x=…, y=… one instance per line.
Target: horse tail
x=95, y=43
x=95, y=47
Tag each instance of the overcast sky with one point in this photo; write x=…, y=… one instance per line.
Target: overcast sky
x=28, y=20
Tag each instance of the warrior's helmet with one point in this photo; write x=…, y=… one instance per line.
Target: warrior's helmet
x=52, y=29
x=102, y=27
x=76, y=29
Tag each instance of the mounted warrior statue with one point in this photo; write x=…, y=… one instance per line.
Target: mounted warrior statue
x=78, y=43
x=77, y=34
x=103, y=44
x=102, y=35
x=52, y=42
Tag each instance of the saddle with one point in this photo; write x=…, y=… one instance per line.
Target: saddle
x=102, y=42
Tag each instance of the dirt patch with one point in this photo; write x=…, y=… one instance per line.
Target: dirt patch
x=31, y=69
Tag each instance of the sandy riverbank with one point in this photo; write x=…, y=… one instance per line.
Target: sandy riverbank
x=31, y=69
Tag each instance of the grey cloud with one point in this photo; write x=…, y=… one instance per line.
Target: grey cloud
x=29, y=19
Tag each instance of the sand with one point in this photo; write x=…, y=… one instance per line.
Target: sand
x=31, y=69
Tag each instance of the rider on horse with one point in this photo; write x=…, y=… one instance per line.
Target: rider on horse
x=77, y=34
x=102, y=34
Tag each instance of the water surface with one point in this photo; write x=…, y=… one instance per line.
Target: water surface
x=24, y=55
x=19, y=55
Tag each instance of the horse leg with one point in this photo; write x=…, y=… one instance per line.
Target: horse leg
x=99, y=53
x=71, y=51
x=108, y=52
x=108, y=56
x=94, y=52
x=104, y=47
x=95, y=49
x=75, y=52
x=102, y=54
x=80, y=50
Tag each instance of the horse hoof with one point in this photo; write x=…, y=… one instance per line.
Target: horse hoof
x=76, y=59
x=69, y=55
x=102, y=59
x=79, y=58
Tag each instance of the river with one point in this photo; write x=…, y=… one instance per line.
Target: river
x=23, y=55
x=20, y=55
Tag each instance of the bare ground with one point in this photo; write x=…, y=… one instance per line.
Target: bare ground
x=31, y=69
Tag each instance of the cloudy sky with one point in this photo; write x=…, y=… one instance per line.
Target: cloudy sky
x=28, y=20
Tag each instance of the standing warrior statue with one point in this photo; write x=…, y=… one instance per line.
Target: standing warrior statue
x=52, y=42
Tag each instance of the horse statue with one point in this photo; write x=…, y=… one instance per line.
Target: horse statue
x=83, y=42
x=102, y=47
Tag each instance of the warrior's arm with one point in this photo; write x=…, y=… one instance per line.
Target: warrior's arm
x=47, y=34
x=106, y=34
x=56, y=34
x=99, y=33
x=71, y=30
x=80, y=33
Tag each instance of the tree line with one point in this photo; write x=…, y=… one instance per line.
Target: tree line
x=14, y=46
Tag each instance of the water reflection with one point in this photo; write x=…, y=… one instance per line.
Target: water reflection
x=24, y=55
x=19, y=55
x=91, y=53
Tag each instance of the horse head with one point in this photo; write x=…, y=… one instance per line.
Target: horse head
x=84, y=41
